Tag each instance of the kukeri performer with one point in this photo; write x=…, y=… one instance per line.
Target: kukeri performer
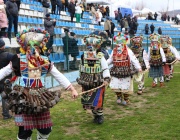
x=142, y=56
x=170, y=55
x=94, y=72
x=125, y=65
x=156, y=60
x=175, y=52
x=28, y=98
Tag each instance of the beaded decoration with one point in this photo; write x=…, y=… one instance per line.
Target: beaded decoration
x=32, y=38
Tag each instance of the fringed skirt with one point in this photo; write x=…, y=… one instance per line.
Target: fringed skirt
x=166, y=69
x=34, y=121
x=156, y=71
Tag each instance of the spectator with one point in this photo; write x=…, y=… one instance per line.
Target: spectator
x=168, y=18
x=146, y=29
x=119, y=16
x=18, y=2
x=74, y=50
x=150, y=17
x=59, y=6
x=98, y=17
x=78, y=12
x=49, y=26
x=5, y=58
x=82, y=8
x=152, y=28
x=155, y=16
x=45, y=5
x=122, y=23
x=129, y=19
x=93, y=12
x=66, y=6
x=116, y=14
x=107, y=11
x=12, y=14
x=107, y=26
x=84, y=4
x=160, y=31
x=3, y=19
x=126, y=25
x=63, y=5
x=112, y=28
x=71, y=9
x=125, y=15
x=53, y=4
x=66, y=38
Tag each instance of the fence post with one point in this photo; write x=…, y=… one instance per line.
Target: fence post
x=147, y=43
x=67, y=56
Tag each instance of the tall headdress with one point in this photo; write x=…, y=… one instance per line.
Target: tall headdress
x=32, y=39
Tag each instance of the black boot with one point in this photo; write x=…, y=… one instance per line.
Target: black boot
x=100, y=119
x=95, y=120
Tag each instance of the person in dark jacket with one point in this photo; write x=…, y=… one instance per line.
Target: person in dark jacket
x=53, y=4
x=155, y=16
x=59, y=6
x=45, y=5
x=74, y=50
x=71, y=9
x=112, y=28
x=12, y=14
x=5, y=58
x=146, y=29
x=18, y=2
x=107, y=11
x=160, y=31
x=49, y=25
x=152, y=28
x=66, y=38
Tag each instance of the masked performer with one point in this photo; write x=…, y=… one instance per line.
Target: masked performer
x=156, y=60
x=170, y=54
x=93, y=73
x=125, y=64
x=142, y=56
x=28, y=98
x=175, y=52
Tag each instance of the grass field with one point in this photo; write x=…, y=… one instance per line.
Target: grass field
x=155, y=115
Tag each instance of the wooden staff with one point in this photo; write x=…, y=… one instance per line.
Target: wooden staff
x=91, y=90
x=172, y=62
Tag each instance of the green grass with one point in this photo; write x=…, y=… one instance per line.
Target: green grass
x=151, y=116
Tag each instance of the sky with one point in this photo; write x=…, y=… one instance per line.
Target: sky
x=155, y=5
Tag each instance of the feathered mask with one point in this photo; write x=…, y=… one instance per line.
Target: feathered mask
x=32, y=39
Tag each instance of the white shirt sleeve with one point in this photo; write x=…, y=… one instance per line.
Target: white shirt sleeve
x=162, y=55
x=105, y=68
x=5, y=71
x=60, y=77
x=146, y=60
x=134, y=60
x=110, y=59
x=175, y=52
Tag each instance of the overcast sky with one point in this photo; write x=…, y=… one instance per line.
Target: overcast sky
x=155, y=5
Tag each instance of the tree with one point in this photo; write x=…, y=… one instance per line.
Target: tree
x=140, y=5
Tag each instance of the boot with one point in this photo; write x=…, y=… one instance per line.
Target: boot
x=100, y=119
x=95, y=120
x=139, y=92
x=154, y=85
x=42, y=136
x=29, y=138
x=161, y=84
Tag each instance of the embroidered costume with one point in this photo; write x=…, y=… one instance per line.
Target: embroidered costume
x=170, y=55
x=142, y=57
x=125, y=65
x=156, y=59
x=28, y=98
x=175, y=52
x=93, y=73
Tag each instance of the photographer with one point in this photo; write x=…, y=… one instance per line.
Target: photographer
x=49, y=25
x=5, y=58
